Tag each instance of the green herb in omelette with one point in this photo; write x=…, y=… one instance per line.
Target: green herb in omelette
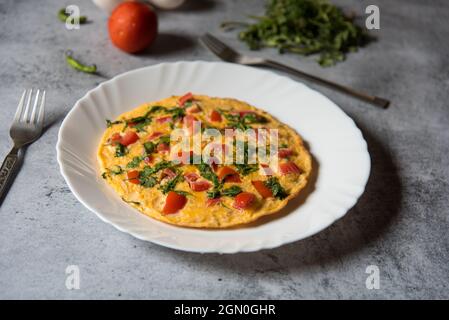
x=110, y=123
x=120, y=150
x=147, y=181
x=177, y=113
x=164, y=140
x=305, y=27
x=133, y=202
x=147, y=170
x=171, y=184
x=215, y=193
x=134, y=163
x=232, y=191
x=115, y=170
x=245, y=168
x=276, y=188
x=139, y=123
x=207, y=173
x=149, y=147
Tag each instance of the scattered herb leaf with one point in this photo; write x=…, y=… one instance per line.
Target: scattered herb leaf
x=75, y=64
x=63, y=15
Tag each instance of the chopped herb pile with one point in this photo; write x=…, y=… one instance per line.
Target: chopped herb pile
x=305, y=27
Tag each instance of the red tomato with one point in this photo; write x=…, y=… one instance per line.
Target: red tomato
x=284, y=152
x=263, y=190
x=202, y=185
x=212, y=202
x=174, y=202
x=116, y=138
x=163, y=147
x=267, y=170
x=168, y=173
x=289, y=167
x=193, y=109
x=213, y=162
x=133, y=176
x=228, y=174
x=191, y=177
x=215, y=116
x=148, y=159
x=188, y=96
x=129, y=138
x=132, y=26
x=164, y=119
x=244, y=200
x=154, y=135
x=188, y=122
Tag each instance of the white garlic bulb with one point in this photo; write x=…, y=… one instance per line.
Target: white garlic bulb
x=107, y=5
x=167, y=4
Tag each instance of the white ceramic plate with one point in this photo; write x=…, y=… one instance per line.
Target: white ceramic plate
x=342, y=162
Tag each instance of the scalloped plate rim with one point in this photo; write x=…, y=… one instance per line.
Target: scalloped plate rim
x=263, y=245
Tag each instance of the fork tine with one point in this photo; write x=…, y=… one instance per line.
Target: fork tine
x=217, y=43
x=20, y=107
x=27, y=107
x=210, y=45
x=40, y=117
x=33, y=112
x=219, y=48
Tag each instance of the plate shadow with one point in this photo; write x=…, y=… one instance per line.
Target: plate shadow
x=368, y=220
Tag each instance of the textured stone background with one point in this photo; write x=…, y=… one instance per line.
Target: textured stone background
x=399, y=224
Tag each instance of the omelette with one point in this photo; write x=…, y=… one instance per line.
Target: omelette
x=200, y=183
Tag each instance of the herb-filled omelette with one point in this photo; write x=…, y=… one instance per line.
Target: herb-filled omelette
x=135, y=159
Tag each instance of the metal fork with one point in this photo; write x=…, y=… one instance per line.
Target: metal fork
x=228, y=54
x=27, y=127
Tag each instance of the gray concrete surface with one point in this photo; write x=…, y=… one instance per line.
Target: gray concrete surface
x=400, y=224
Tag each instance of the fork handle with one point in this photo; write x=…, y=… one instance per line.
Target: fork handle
x=8, y=171
x=380, y=102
